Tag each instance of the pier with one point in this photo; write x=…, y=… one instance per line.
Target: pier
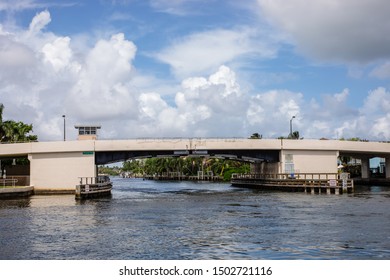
x=91, y=187
x=329, y=183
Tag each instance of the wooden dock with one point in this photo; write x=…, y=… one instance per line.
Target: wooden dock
x=91, y=187
x=329, y=183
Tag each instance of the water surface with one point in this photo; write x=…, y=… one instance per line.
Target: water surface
x=187, y=220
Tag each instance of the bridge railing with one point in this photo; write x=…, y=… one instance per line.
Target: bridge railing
x=284, y=176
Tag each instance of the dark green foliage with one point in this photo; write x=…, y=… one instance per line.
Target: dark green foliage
x=256, y=136
x=188, y=166
x=12, y=131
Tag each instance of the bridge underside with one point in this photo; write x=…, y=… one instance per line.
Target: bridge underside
x=242, y=155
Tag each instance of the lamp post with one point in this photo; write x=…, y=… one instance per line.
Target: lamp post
x=293, y=117
x=64, y=128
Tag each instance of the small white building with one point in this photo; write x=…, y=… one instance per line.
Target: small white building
x=87, y=132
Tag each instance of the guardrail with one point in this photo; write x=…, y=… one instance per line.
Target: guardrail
x=8, y=183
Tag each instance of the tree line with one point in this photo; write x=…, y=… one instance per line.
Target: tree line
x=15, y=131
x=188, y=166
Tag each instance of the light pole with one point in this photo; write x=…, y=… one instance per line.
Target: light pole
x=293, y=117
x=64, y=128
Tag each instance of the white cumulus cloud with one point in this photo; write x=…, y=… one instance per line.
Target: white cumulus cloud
x=44, y=75
x=39, y=22
x=203, y=52
x=343, y=31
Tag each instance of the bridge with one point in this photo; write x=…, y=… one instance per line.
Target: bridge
x=57, y=166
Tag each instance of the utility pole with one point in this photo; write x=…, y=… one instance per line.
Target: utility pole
x=64, y=128
x=293, y=117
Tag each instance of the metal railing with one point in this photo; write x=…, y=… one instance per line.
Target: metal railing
x=93, y=185
x=284, y=176
x=8, y=183
x=321, y=180
x=94, y=180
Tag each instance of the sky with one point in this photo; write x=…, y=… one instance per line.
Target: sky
x=197, y=68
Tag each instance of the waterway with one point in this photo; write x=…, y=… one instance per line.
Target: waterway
x=188, y=220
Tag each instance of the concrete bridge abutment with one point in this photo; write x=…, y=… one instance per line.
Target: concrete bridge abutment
x=265, y=167
x=365, y=167
x=387, y=167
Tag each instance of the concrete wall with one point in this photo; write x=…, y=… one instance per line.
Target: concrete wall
x=265, y=167
x=60, y=171
x=304, y=161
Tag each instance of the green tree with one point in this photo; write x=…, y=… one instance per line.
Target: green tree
x=294, y=135
x=12, y=131
x=134, y=166
x=256, y=136
x=190, y=166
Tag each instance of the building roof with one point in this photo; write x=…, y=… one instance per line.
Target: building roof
x=98, y=126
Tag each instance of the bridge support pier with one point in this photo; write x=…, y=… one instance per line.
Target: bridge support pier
x=387, y=170
x=365, y=168
x=265, y=167
x=60, y=172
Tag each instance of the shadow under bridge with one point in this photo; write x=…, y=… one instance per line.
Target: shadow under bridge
x=253, y=156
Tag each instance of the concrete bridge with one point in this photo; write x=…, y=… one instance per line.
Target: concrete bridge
x=57, y=166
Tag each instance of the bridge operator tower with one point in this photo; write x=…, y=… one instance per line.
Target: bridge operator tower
x=87, y=132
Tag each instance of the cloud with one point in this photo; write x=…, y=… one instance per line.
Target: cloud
x=44, y=75
x=269, y=112
x=371, y=120
x=41, y=76
x=11, y=5
x=178, y=7
x=102, y=81
x=14, y=54
x=58, y=53
x=204, y=106
x=21, y=5
x=382, y=71
x=342, y=31
x=204, y=52
x=39, y=22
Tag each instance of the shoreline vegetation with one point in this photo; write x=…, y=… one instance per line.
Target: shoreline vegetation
x=185, y=168
x=14, y=132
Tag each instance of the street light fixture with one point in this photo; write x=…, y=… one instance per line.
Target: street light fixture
x=293, y=117
x=64, y=128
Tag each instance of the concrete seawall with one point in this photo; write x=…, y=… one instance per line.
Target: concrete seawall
x=16, y=192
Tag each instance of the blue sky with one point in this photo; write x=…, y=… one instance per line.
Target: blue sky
x=197, y=68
